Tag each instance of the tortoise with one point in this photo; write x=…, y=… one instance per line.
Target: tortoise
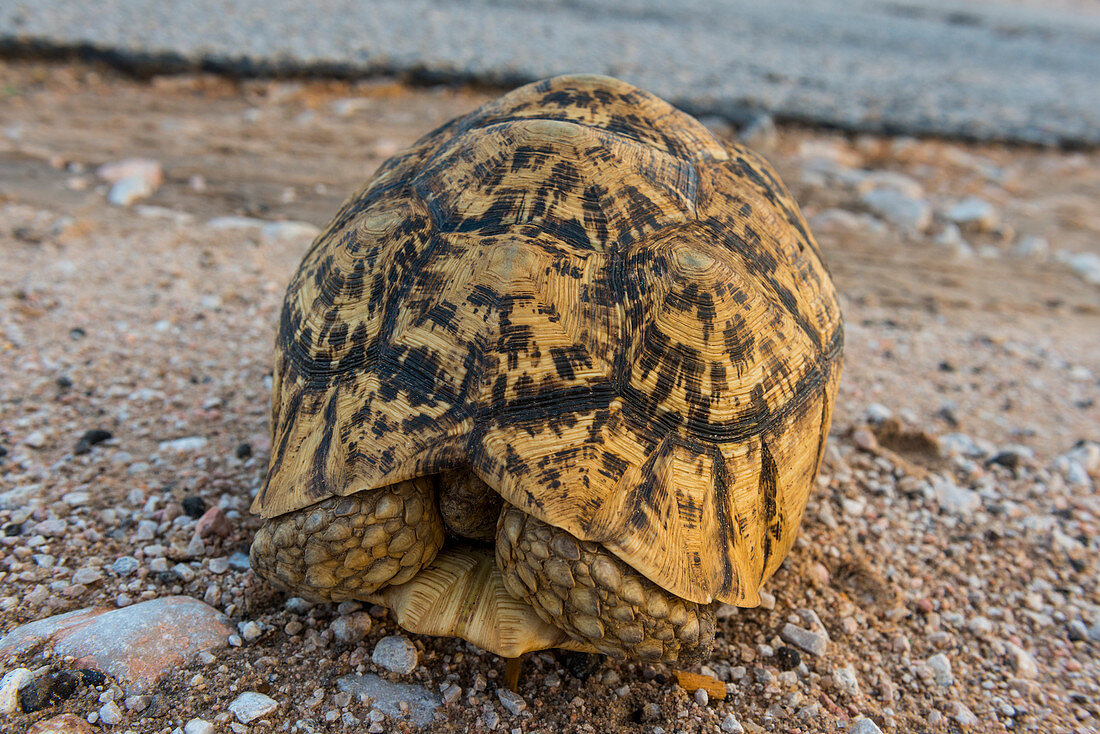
x=559, y=375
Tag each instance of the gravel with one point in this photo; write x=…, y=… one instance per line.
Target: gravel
x=999, y=352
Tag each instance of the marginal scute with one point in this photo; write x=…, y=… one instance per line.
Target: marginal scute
x=618, y=322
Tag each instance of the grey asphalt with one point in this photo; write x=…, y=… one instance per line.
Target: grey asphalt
x=977, y=69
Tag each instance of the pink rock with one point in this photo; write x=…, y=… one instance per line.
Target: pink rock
x=137, y=644
x=62, y=724
x=146, y=169
x=213, y=522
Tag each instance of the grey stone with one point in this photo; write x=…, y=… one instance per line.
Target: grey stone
x=239, y=562
x=1085, y=264
x=814, y=643
x=845, y=681
x=110, y=713
x=906, y=212
x=759, y=133
x=188, y=443
x=125, y=565
x=297, y=605
x=731, y=725
x=252, y=705
x=962, y=715
x=198, y=726
x=953, y=499
x=351, y=627
x=396, y=654
x=1032, y=247
x=288, y=232
x=388, y=696
x=511, y=701
x=973, y=213
x=250, y=630
x=35, y=439
x=1023, y=663
x=129, y=191
x=87, y=576
x=941, y=670
x=863, y=725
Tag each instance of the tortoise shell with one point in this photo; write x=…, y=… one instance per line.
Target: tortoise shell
x=619, y=322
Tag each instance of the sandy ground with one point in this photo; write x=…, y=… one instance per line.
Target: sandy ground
x=953, y=516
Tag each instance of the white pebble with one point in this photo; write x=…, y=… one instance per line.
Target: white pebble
x=13, y=682
x=110, y=713
x=251, y=631
x=251, y=705
x=701, y=696
x=35, y=440
x=731, y=725
x=863, y=725
x=941, y=669
x=198, y=726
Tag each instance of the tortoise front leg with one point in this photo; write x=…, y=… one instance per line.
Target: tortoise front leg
x=347, y=547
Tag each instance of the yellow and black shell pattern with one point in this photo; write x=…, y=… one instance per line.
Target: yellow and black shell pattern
x=619, y=322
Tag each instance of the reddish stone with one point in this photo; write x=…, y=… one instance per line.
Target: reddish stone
x=136, y=644
x=63, y=724
x=213, y=522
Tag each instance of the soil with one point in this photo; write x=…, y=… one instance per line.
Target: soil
x=152, y=324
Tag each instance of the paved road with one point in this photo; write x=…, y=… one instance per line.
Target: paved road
x=985, y=69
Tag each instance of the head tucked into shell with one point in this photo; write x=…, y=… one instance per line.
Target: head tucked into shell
x=559, y=375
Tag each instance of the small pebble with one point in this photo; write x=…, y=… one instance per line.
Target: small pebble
x=451, y=693
x=239, y=562
x=814, y=643
x=12, y=683
x=511, y=701
x=352, y=628
x=396, y=654
x=194, y=507
x=941, y=670
x=252, y=705
x=701, y=696
x=125, y=565
x=250, y=631
x=110, y=713
x=863, y=725
x=731, y=725
x=87, y=576
x=198, y=726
